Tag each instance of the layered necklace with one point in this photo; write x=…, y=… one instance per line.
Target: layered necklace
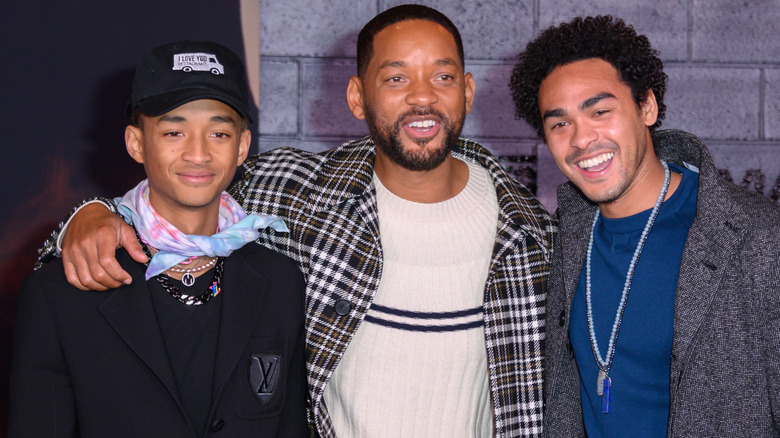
x=188, y=279
x=604, y=382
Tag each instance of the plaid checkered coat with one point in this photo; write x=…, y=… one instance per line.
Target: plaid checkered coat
x=329, y=203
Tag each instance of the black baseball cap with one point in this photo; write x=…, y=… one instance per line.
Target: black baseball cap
x=177, y=73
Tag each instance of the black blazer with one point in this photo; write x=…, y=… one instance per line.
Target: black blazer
x=93, y=364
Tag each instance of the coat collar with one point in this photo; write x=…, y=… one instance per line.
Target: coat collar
x=130, y=311
x=242, y=303
x=346, y=174
x=712, y=238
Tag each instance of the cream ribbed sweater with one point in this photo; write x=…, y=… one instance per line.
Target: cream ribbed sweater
x=417, y=365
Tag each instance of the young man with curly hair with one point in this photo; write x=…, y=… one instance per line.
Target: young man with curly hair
x=663, y=306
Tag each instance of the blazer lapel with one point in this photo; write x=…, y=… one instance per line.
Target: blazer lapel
x=574, y=232
x=130, y=312
x=243, y=291
x=711, y=242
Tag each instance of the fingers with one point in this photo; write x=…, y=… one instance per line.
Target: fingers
x=90, y=264
x=72, y=274
x=89, y=247
x=131, y=244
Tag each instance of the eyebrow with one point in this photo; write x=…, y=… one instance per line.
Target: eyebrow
x=587, y=103
x=398, y=64
x=595, y=99
x=223, y=119
x=180, y=119
x=168, y=118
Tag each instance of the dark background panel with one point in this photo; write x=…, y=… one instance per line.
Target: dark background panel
x=65, y=76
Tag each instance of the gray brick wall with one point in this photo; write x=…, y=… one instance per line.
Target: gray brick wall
x=722, y=58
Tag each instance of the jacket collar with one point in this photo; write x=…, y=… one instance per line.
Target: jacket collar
x=712, y=238
x=130, y=311
x=671, y=145
x=687, y=150
x=242, y=305
x=346, y=173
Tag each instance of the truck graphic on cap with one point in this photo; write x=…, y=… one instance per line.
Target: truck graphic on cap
x=197, y=62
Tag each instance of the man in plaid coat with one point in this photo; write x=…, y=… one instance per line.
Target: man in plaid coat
x=363, y=347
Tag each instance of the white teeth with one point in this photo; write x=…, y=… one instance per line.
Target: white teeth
x=595, y=161
x=422, y=124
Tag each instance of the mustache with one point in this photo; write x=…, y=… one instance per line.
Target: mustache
x=595, y=149
x=422, y=112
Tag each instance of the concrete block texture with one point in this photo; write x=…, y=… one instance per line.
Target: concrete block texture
x=324, y=100
x=722, y=58
x=664, y=22
x=493, y=114
x=755, y=167
x=278, y=112
x=772, y=104
x=549, y=178
x=495, y=29
x=312, y=27
x=714, y=103
x=736, y=31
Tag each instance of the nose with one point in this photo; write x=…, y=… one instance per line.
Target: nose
x=583, y=135
x=196, y=151
x=422, y=94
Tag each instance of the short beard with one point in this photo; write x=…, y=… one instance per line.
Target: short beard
x=624, y=182
x=388, y=139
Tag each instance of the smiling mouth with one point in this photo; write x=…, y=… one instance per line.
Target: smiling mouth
x=197, y=178
x=422, y=125
x=596, y=163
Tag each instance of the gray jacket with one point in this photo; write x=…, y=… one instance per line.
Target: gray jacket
x=725, y=364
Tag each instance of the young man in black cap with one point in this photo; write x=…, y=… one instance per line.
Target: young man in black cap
x=170, y=354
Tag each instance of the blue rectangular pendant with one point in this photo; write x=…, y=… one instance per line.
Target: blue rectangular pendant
x=605, y=398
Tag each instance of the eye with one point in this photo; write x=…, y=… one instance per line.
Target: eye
x=221, y=135
x=394, y=79
x=600, y=112
x=173, y=134
x=559, y=125
x=447, y=77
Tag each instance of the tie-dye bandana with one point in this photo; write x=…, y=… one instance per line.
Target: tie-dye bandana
x=234, y=230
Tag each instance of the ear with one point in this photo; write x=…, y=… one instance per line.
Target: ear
x=355, y=98
x=471, y=88
x=134, y=142
x=649, y=109
x=243, y=146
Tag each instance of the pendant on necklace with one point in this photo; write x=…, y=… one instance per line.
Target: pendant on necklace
x=605, y=398
x=188, y=279
x=600, y=382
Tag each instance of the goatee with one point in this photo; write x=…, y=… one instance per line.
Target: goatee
x=388, y=139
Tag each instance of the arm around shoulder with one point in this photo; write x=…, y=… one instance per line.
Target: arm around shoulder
x=89, y=249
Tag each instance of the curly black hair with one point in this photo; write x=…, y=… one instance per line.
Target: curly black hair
x=603, y=37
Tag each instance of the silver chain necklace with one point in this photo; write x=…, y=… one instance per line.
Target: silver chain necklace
x=190, y=300
x=195, y=300
x=604, y=382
